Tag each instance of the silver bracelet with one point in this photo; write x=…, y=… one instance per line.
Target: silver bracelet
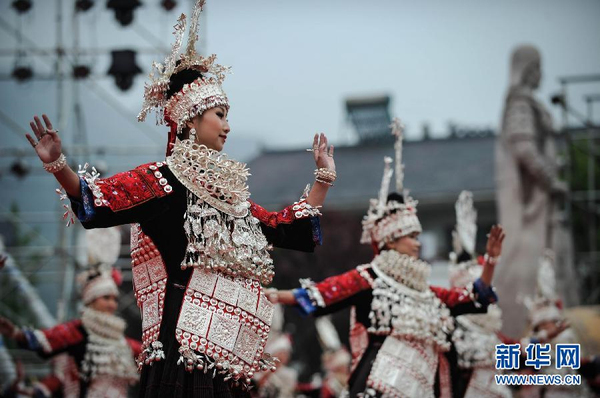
x=489, y=259
x=57, y=165
x=324, y=182
x=325, y=176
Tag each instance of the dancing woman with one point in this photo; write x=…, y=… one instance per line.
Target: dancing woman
x=101, y=360
x=399, y=324
x=199, y=246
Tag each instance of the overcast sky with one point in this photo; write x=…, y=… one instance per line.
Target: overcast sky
x=295, y=62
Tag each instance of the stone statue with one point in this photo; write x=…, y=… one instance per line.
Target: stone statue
x=527, y=185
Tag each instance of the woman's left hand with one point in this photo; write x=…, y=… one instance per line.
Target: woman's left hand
x=493, y=250
x=494, y=243
x=323, y=155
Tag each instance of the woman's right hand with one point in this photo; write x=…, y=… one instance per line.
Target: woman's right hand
x=285, y=297
x=47, y=143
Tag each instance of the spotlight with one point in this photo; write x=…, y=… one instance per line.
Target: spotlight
x=20, y=168
x=81, y=71
x=123, y=10
x=22, y=73
x=22, y=6
x=168, y=5
x=124, y=68
x=558, y=99
x=83, y=5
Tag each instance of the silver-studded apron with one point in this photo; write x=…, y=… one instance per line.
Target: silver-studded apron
x=415, y=325
x=150, y=282
x=157, y=205
x=223, y=321
x=223, y=325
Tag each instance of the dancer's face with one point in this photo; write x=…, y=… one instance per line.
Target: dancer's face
x=212, y=128
x=408, y=245
x=107, y=304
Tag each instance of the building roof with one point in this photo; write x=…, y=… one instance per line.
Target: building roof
x=436, y=170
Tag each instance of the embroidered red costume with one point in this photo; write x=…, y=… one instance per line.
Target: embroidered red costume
x=355, y=289
x=78, y=376
x=197, y=312
x=400, y=324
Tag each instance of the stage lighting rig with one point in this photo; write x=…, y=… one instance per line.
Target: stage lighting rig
x=123, y=10
x=20, y=168
x=22, y=73
x=124, y=68
x=168, y=5
x=81, y=71
x=83, y=5
x=22, y=6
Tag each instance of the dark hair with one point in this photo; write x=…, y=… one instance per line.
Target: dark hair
x=463, y=256
x=393, y=197
x=396, y=197
x=181, y=78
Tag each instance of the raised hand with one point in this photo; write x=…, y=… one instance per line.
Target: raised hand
x=493, y=250
x=323, y=155
x=47, y=143
x=325, y=173
x=494, y=243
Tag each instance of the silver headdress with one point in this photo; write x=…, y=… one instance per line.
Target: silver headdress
x=465, y=231
x=102, y=247
x=545, y=305
x=463, y=240
x=194, y=98
x=386, y=221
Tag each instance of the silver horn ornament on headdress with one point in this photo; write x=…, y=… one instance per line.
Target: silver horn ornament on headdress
x=193, y=98
x=385, y=220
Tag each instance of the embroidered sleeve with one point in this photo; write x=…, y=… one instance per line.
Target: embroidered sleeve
x=304, y=300
x=295, y=227
x=297, y=211
x=316, y=230
x=54, y=340
x=479, y=294
x=84, y=207
x=130, y=188
x=124, y=198
x=330, y=291
x=452, y=297
x=484, y=295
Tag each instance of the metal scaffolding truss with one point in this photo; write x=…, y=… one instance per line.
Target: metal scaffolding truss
x=582, y=139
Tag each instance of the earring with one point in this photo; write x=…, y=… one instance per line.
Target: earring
x=193, y=134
